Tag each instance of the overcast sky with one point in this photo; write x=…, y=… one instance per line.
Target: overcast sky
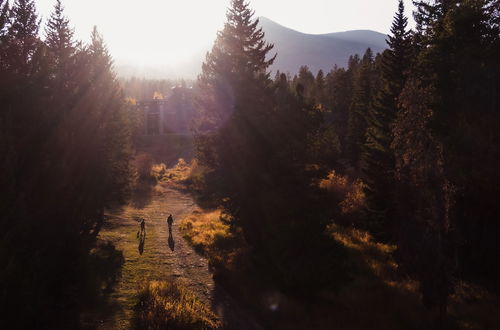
x=155, y=31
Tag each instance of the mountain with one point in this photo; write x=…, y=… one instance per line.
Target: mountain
x=318, y=51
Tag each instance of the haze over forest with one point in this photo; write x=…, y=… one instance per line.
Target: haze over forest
x=318, y=51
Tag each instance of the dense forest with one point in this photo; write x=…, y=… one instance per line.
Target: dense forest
x=418, y=124
x=404, y=145
x=65, y=151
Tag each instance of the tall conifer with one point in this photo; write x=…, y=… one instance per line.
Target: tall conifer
x=359, y=109
x=59, y=35
x=378, y=158
x=234, y=103
x=22, y=36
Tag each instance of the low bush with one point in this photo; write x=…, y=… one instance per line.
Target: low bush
x=169, y=305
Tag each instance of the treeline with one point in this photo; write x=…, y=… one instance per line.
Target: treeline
x=142, y=89
x=418, y=124
x=65, y=150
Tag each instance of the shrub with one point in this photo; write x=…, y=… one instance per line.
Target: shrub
x=169, y=305
x=348, y=196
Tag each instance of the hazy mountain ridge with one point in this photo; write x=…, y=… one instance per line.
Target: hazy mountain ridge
x=294, y=48
x=318, y=51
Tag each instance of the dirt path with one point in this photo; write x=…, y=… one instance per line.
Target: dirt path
x=160, y=257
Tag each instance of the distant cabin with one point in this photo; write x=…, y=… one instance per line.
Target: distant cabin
x=170, y=115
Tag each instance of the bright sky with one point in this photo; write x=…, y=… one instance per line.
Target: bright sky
x=159, y=31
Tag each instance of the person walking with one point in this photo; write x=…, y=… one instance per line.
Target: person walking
x=170, y=221
x=143, y=226
x=142, y=230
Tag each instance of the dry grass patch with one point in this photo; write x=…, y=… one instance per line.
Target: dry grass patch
x=378, y=282
x=180, y=172
x=169, y=305
x=377, y=256
x=210, y=234
x=349, y=196
x=201, y=228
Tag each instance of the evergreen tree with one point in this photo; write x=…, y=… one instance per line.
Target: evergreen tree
x=22, y=36
x=255, y=144
x=235, y=100
x=378, y=158
x=59, y=35
x=338, y=95
x=456, y=42
x=319, y=87
x=359, y=109
x=425, y=208
x=305, y=82
x=65, y=146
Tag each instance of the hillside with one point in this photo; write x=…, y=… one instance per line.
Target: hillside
x=318, y=51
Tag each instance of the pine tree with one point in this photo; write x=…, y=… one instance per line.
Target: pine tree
x=338, y=95
x=378, y=158
x=59, y=35
x=319, y=87
x=425, y=208
x=253, y=137
x=359, y=109
x=456, y=41
x=305, y=82
x=22, y=36
x=234, y=103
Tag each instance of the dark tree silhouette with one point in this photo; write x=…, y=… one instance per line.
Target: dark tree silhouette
x=378, y=158
x=65, y=143
x=256, y=146
x=359, y=109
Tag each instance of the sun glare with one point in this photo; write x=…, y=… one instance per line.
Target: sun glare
x=169, y=32
x=149, y=32
x=175, y=34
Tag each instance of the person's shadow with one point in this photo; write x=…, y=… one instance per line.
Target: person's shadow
x=142, y=240
x=171, y=243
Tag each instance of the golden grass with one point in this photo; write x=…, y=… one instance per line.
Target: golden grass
x=378, y=283
x=181, y=171
x=351, y=195
x=201, y=228
x=211, y=235
x=335, y=183
x=378, y=256
x=169, y=305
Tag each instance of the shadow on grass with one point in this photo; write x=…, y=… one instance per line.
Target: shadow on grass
x=142, y=193
x=171, y=242
x=373, y=297
x=142, y=241
x=103, y=272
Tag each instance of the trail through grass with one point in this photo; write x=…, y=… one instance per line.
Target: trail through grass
x=162, y=258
